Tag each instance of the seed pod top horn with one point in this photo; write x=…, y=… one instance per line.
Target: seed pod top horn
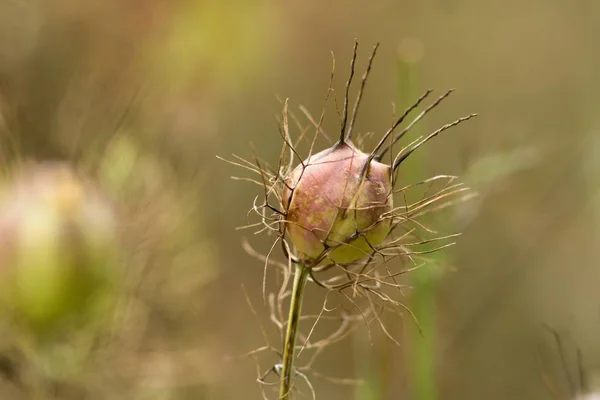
x=338, y=200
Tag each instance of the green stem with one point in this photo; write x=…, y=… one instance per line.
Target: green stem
x=289, y=348
x=422, y=352
x=423, y=346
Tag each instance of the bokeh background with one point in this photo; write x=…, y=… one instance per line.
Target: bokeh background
x=145, y=95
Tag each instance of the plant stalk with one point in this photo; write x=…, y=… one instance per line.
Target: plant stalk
x=289, y=348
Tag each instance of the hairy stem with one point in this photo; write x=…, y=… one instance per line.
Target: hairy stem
x=289, y=348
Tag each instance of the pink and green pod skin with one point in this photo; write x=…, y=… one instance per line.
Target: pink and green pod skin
x=333, y=200
x=58, y=249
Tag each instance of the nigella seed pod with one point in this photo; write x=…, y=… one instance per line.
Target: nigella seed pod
x=58, y=247
x=336, y=208
x=339, y=201
x=338, y=204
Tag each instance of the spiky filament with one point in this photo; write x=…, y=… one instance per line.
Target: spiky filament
x=385, y=137
x=363, y=83
x=401, y=157
x=342, y=138
x=419, y=117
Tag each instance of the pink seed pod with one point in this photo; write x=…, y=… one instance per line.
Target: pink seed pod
x=341, y=200
x=338, y=204
x=336, y=208
x=58, y=246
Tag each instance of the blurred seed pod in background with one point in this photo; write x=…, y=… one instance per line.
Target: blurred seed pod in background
x=59, y=249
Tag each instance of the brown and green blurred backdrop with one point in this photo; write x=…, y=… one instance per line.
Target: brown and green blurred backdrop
x=185, y=81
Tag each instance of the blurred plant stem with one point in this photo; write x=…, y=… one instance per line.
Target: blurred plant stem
x=289, y=347
x=421, y=352
x=367, y=366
